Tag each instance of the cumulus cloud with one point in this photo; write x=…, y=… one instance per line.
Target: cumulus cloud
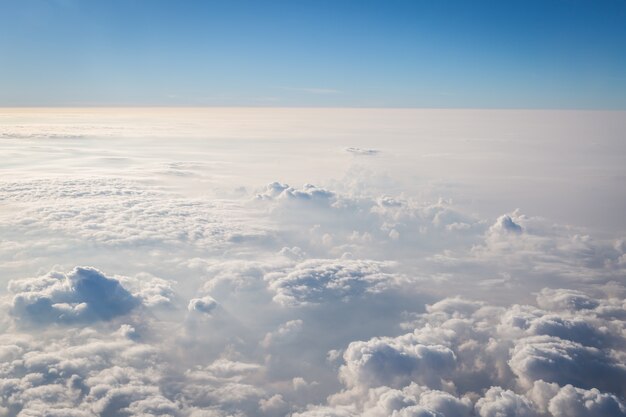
x=203, y=305
x=564, y=299
x=516, y=361
x=566, y=362
x=575, y=402
x=395, y=363
x=505, y=224
x=84, y=294
x=308, y=193
x=325, y=280
x=82, y=373
x=504, y=403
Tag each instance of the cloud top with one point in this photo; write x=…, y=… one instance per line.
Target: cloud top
x=84, y=294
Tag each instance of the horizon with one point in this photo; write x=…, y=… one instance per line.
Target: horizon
x=313, y=208
x=531, y=109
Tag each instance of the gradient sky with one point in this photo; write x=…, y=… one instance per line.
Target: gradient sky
x=495, y=54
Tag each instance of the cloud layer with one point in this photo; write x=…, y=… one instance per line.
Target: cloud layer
x=380, y=268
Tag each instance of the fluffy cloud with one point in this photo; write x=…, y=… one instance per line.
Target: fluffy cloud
x=203, y=305
x=414, y=292
x=566, y=362
x=411, y=400
x=575, y=402
x=563, y=299
x=308, y=193
x=504, y=403
x=395, y=363
x=85, y=294
x=326, y=280
x=505, y=224
x=516, y=361
x=82, y=373
x=116, y=212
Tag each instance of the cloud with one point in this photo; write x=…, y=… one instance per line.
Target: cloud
x=82, y=373
x=283, y=334
x=569, y=401
x=381, y=287
x=505, y=224
x=362, y=152
x=515, y=361
x=504, y=403
x=552, y=359
x=395, y=363
x=204, y=305
x=412, y=400
x=326, y=280
x=275, y=405
x=563, y=299
x=84, y=294
x=118, y=212
x=308, y=192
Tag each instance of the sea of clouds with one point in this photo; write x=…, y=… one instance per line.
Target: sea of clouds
x=310, y=262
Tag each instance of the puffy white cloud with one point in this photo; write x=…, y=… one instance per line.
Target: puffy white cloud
x=84, y=294
x=86, y=371
x=565, y=362
x=308, y=193
x=411, y=400
x=454, y=306
x=395, y=363
x=525, y=360
x=564, y=299
x=569, y=401
x=327, y=280
x=505, y=224
x=498, y=402
x=203, y=305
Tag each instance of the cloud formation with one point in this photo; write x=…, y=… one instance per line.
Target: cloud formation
x=84, y=294
x=325, y=280
x=400, y=282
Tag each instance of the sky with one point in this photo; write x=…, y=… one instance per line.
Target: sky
x=433, y=54
x=312, y=208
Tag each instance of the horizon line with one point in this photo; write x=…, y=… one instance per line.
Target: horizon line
x=189, y=107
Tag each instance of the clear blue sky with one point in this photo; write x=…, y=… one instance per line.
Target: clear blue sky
x=387, y=53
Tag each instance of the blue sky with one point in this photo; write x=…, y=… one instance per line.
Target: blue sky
x=493, y=54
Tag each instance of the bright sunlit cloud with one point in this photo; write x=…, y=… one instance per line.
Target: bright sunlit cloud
x=339, y=262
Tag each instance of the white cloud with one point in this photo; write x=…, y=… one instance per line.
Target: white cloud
x=566, y=362
x=504, y=403
x=395, y=363
x=400, y=284
x=327, y=280
x=575, y=402
x=285, y=332
x=84, y=294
